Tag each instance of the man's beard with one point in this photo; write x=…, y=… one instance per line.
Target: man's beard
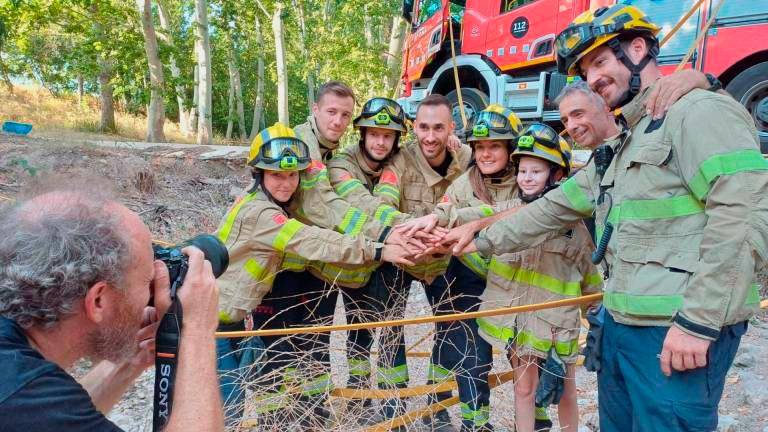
x=115, y=341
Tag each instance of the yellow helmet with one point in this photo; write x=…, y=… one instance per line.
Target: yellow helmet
x=541, y=141
x=593, y=29
x=277, y=148
x=494, y=123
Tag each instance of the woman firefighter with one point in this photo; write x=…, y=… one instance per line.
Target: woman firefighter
x=265, y=241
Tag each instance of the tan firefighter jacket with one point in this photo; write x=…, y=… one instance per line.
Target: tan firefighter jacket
x=557, y=269
x=317, y=202
x=420, y=189
x=461, y=196
x=259, y=235
x=365, y=188
x=688, y=201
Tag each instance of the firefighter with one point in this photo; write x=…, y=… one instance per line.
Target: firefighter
x=490, y=179
x=420, y=179
x=556, y=269
x=355, y=173
x=681, y=214
x=261, y=235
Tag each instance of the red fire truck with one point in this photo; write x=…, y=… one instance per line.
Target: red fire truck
x=505, y=51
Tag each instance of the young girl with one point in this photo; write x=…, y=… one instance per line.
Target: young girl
x=558, y=268
x=262, y=239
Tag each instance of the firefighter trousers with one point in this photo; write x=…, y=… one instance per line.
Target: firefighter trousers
x=459, y=352
x=634, y=395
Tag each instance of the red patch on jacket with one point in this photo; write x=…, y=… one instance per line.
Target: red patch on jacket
x=315, y=167
x=445, y=199
x=280, y=218
x=388, y=177
x=346, y=176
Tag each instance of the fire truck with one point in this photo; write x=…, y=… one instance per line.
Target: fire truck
x=505, y=51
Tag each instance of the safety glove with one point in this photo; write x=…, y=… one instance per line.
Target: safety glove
x=552, y=380
x=591, y=352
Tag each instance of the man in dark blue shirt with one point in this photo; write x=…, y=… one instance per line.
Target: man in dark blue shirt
x=76, y=275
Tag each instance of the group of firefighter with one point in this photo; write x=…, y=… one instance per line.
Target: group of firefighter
x=678, y=201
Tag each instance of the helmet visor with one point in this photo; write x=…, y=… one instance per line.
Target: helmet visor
x=383, y=111
x=539, y=133
x=280, y=149
x=573, y=40
x=486, y=122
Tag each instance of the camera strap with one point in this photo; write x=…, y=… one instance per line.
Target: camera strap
x=166, y=358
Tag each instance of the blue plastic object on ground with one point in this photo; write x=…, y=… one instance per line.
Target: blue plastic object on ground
x=16, y=128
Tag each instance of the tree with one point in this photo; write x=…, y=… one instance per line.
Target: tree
x=167, y=37
x=203, y=50
x=156, y=114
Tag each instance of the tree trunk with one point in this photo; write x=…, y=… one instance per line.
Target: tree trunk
x=368, y=27
x=80, y=89
x=282, y=73
x=204, y=122
x=231, y=100
x=258, y=104
x=240, y=107
x=165, y=24
x=195, y=99
x=107, y=120
x=396, y=39
x=156, y=113
x=297, y=4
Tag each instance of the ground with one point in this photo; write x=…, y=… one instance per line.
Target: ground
x=179, y=195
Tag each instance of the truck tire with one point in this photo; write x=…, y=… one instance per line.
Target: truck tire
x=750, y=88
x=474, y=101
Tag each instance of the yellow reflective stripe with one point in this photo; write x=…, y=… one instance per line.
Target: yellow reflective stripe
x=393, y=375
x=475, y=262
x=506, y=335
x=308, y=182
x=593, y=279
x=487, y=210
x=289, y=229
x=225, y=318
x=753, y=295
x=659, y=305
x=386, y=214
x=433, y=267
x=539, y=280
x=293, y=262
x=388, y=190
x=344, y=188
x=577, y=197
x=270, y=402
x=257, y=272
x=231, y=216
x=725, y=164
x=359, y=367
x=353, y=222
x=478, y=417
x=331, y=273
x=541, y=413
x=317, y=385
x=438, y=374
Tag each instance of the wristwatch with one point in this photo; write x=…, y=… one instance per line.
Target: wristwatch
x=714, y=83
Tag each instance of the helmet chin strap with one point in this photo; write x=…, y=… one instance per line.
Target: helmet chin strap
x=635, y=83
x=371, y=158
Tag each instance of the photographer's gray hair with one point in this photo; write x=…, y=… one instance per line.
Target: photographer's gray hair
x=582, y=87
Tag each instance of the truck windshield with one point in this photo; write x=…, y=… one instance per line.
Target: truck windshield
x=510, y=5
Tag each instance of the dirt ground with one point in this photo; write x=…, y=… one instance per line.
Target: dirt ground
x=181, y=196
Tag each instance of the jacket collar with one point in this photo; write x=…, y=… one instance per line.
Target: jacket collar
x=357, y=153
x=326, y=146
x=458, y=164
x=634, y=111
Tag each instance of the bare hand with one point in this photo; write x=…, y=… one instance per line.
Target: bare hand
x=454, y=143
x=425, y=223
x=199, y=294
x=461, y=238
x=396, y=255
x=412, y=244
x=669, y=89
x=682, y=351
x=144, y=356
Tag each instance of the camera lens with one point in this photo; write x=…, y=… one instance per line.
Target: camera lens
x=214, y=251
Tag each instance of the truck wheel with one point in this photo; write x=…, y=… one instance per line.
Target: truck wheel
x=750, y=87
x=474, y=101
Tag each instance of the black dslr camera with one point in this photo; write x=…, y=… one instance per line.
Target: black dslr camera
x=178, y=263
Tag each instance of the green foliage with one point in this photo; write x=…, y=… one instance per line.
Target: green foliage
x=54, y=42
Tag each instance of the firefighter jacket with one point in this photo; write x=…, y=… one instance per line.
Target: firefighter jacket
x=258, y=235
x=557, y=269
x=317, y=202
x=460, y=197
x=366, y=188
x=420, y=189
x=687, y=197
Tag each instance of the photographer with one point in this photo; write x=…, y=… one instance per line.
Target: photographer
x=76, y=275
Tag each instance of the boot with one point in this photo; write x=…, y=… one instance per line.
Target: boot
x=543, y=423
x=440, y=422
